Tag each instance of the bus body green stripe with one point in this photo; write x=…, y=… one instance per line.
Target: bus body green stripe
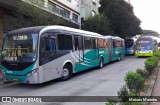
x=90, y=61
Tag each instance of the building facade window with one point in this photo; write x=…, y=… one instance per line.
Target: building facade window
x=63, y=12
x=75, y=18
x=38, y=2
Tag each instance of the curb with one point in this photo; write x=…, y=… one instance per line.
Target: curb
x=152, y=85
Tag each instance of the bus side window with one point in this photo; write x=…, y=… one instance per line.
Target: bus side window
x=47, y=45
x=65, y=42
x=87, y=43
x=94, y=43
x=78, y=43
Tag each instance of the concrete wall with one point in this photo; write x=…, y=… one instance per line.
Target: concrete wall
x=73, y=5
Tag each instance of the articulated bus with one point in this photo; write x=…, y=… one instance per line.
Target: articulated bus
x=129, y=46
x=38, y=54
x=146, y=46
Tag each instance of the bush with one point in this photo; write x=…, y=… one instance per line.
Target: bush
x=134, y=81
x=151, y=63
x=144, y=73
x=157, y=54
x=123, y=92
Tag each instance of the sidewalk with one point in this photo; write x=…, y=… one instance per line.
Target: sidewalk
x=156, y=88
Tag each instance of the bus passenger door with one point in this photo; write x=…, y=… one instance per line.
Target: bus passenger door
x=78, y=42
x=48, y=55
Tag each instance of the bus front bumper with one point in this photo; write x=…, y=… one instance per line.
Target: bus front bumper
x=33, y=79
x=143, y=54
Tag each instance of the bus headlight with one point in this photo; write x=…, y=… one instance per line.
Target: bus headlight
x=150, y=51
x=32, y=72
x=131, y=51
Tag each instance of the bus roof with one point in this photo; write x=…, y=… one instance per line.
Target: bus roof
x=42, y=29
x=145, y=37
x=114, y=37
x=26, y=30
x=64, y=28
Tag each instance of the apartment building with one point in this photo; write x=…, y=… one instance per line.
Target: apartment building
x=89, y=8
x=67, y=11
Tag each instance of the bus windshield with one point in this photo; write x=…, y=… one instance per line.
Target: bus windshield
x=144, y=45
x=129, y=43
x=20, y=48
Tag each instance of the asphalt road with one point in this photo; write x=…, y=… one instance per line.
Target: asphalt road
x=94, y=82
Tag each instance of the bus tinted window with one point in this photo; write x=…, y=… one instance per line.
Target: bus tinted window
x=102, y=43
x=94, y=40
x=87, y=43
x=48, y=44
x=78, y=43
x=129, y=43
x=117, y=44
x=65, y=42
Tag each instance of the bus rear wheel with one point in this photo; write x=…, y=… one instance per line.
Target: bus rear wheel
x=66, y=73
x=101, y=63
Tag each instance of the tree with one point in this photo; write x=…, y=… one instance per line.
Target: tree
x=98, y=23
x=150, y=32
x=120, y=13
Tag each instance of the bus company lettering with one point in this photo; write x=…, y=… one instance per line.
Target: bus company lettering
x=26, y=99
x=34, y=100
x=101, y=52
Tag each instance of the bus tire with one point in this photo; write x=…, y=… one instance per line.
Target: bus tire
x=66, y=73
x=101, y=63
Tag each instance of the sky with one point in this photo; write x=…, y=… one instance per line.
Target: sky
x=148, y=11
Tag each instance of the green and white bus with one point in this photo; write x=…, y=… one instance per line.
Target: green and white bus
x=146, y=46
x=38, y=54
x=116, y=48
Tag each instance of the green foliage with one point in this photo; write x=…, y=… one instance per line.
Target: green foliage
x=27, y=15
x=111, y=103
x=132, y=94
x=98, y=23
x=144, y=73
x=157, y=54
x=151, y=63
x=123, y=21
x=123, y=92
x=150, y=32
x=134, y=81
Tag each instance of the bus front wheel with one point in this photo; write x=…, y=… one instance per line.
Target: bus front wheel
x=66, y=73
